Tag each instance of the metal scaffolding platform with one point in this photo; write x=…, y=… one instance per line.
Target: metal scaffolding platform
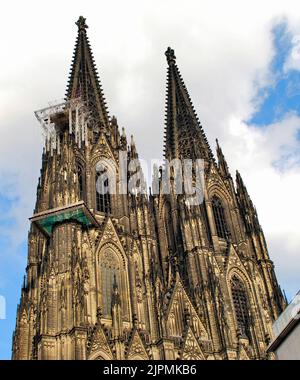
x=73, y=114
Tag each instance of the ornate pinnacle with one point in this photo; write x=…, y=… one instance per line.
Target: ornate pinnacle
x=99, y=314
x=171, y=58
x=81, y=23
x=115, y=300
x=115, y=284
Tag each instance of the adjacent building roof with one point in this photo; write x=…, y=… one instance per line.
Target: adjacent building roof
x=286, y=323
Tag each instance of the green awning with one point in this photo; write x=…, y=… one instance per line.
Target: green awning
x=76, y=212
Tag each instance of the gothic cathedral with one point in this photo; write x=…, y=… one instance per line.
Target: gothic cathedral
x=139, y=276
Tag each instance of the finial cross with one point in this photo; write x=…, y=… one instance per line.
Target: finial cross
x=170, y=55
x=81, y=23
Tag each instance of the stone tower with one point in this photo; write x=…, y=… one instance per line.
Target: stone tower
x=115, y=274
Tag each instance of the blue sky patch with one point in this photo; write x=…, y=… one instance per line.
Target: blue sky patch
x=283, y=95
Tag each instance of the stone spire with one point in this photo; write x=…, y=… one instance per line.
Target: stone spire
x=83, y=79
x=222, y=163
x=117, y=320
x=247, y=208
x=184, y=136
x=115, y=300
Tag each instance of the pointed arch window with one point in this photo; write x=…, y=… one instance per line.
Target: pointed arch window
x=169, y=225
x=113, y=270
x=81, y=184
x=241, y=305
x=219, y=216
x=103, y=201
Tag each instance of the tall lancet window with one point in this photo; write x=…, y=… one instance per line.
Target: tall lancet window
x=169, y=226
x=241, y=306
x=80, y=182
x=103, y=203
x=219, y=216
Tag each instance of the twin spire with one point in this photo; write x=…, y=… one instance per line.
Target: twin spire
x=184, y=136
x=83, y=79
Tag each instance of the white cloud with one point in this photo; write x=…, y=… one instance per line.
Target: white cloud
x=274, y=192
x=223, y=50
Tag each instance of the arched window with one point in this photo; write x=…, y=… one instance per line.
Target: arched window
x=110, y=269
x=102, y=190
x=241, y=306
x=80, y=182
x=219, y=216
x=169, y=225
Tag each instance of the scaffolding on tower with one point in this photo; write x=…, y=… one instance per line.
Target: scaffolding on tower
x=73, y=114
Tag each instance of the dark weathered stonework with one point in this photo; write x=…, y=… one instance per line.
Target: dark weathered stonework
x=177, y=289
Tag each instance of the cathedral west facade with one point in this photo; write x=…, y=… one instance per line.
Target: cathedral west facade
x=137, y=276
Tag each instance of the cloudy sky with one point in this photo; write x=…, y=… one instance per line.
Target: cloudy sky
x=240, y=62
